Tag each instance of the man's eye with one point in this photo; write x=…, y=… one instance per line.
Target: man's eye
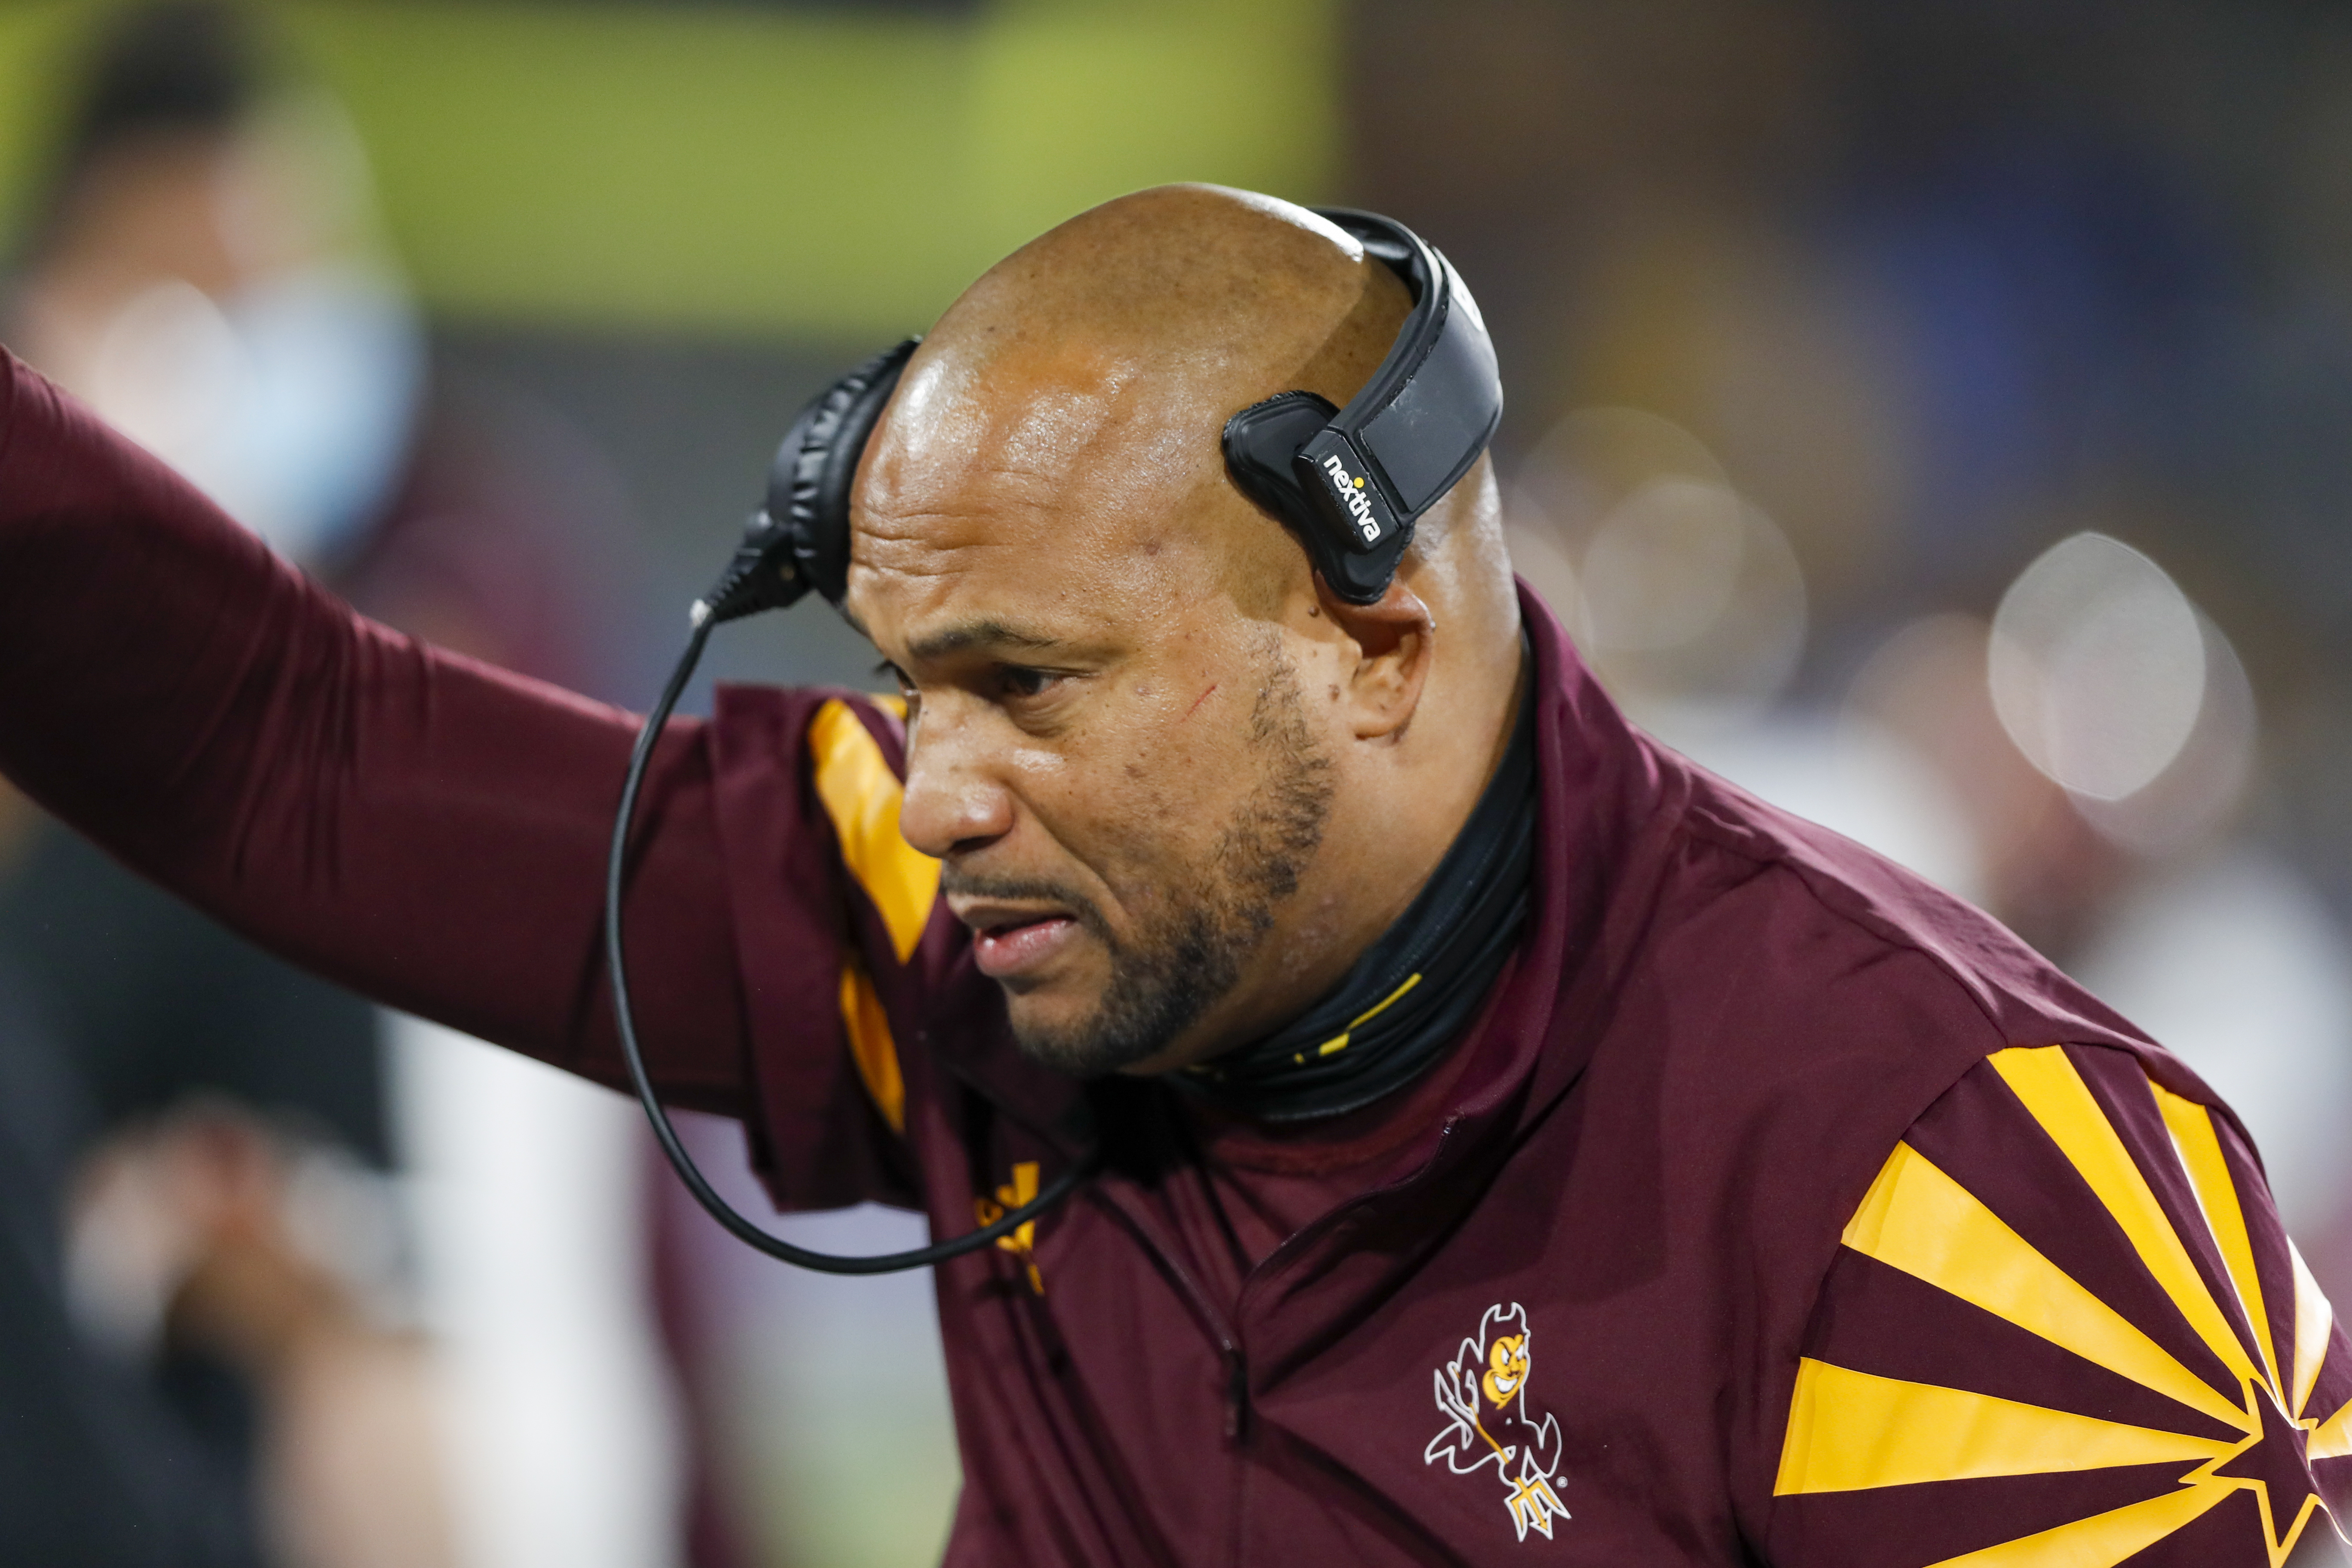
x=1023, y=682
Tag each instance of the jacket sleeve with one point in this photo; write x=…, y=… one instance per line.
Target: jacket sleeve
x=2065, y=1327
x=421, y=827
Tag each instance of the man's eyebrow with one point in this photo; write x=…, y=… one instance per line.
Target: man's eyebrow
x=966, y=636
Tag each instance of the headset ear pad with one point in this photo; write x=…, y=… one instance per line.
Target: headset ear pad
x=1260, y=442
x=809, y=483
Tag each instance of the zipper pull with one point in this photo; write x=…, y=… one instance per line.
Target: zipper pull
x=1236, y=1395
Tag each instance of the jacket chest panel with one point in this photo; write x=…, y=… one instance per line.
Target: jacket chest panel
x=1547, y=1379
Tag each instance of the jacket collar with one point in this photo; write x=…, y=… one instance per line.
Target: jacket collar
x=1607, y=812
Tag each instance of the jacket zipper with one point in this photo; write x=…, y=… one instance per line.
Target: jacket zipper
x=1218, y=1326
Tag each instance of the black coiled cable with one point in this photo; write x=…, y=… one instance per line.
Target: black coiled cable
x=735, y=1224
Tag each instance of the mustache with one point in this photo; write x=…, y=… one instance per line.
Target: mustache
x=1030, y=890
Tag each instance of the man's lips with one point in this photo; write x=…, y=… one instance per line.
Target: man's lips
x=1006, y=952
x=1008, y=943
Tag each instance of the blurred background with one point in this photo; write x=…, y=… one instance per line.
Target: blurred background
x=1935, y=417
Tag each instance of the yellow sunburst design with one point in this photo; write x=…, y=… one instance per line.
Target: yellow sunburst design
x=2313, y=1317
x=1919, y=1220
x=1851, y=1430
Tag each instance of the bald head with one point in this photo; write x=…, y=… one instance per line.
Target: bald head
x=1145, y=728
x=1213, y=296
x=1105, y=357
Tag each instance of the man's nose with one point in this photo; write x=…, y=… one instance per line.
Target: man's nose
x=954, y=804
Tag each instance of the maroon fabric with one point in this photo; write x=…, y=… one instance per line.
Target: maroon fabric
x=1720, y=1022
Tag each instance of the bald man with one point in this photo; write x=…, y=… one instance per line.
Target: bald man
x=1516, y=1143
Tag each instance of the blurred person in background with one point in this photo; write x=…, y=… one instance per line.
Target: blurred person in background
x=235, y=1288
x=168, y=205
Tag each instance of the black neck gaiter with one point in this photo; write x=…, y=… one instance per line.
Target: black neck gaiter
x=1415, y=989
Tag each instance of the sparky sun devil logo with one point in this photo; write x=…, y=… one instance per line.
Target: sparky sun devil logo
x=1482, y=1394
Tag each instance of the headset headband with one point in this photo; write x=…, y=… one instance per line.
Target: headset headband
x=1361, y=477
x=1424, y=417
x=1350, y=482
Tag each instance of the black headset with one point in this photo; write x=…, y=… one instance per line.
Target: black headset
x=1349, y=482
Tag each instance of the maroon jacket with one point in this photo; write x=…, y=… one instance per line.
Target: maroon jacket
x=1778, y=1209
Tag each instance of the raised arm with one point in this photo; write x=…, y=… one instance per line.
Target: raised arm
x=422, y=828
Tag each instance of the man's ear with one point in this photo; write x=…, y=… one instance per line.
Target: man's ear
x=1393, y=639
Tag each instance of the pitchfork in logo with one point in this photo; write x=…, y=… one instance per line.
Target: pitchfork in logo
x=1482, y=1394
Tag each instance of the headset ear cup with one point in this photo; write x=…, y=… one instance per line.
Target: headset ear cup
x=1262, y=450
x=809, y=483
x=1260, y=442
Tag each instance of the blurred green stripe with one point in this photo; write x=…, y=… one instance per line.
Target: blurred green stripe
x=817, y=173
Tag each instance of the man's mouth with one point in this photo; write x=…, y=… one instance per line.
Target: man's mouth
x=1012, y=945
x=1008, y=952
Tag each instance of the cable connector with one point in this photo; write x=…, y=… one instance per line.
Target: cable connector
x=764, y=574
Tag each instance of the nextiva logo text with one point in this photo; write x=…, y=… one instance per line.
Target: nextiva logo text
x=1351, y=494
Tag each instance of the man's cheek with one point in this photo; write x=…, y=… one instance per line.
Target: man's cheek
x=1164, y=807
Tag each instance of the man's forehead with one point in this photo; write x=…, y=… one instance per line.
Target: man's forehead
x=1008, y=598
x=1010, y=578
x=1054, y=413
x=1041, y=488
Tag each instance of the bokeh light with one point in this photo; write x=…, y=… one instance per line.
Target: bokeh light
x=2098, y=666
x=1680, y=591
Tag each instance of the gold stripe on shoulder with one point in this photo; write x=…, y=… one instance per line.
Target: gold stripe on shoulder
x=862, y=797
x=1918, y=1219
x=2055, y=1096
x=1853, y=1431
x=2313, y=1316
x=870, y=1044
x=2198, y=1146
